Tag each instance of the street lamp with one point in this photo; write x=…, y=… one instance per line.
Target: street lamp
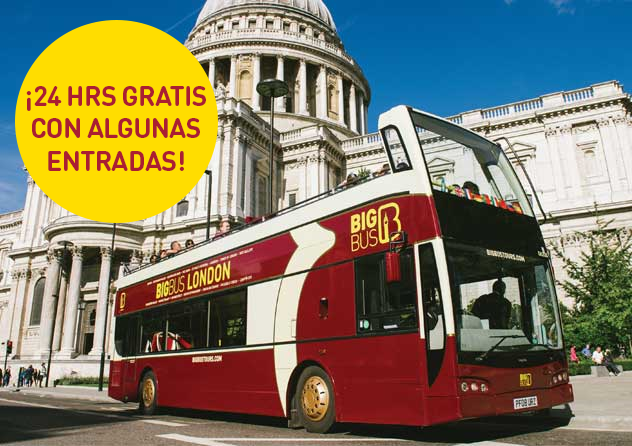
x=209, y=173
x=272, y=88
x=105, y=321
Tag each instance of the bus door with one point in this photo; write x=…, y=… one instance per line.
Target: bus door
x=440, y=403
x=131, y=349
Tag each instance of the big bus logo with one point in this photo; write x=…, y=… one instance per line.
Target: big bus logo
x=373, y=227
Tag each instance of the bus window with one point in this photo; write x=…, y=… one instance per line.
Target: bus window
x=153, y=332
x=396, y=149
x=126, y=336
x=434, y=322
x=186, y=327
x=383, y=306
x=228, y=320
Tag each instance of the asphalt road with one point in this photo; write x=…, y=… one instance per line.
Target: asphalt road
x=30, y=419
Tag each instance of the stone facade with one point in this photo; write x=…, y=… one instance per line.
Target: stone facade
x=576, y=146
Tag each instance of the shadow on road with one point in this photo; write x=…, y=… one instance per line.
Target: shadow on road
x=485, y=429
x=28, y=423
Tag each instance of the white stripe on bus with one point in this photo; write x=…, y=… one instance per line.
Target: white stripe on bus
x=312, y=242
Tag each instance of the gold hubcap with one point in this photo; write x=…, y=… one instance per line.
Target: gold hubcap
x=149, y=392
x=315, y=398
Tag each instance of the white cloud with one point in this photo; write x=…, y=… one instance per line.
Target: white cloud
x=563, y=6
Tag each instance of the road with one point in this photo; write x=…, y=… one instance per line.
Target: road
x=44, y=420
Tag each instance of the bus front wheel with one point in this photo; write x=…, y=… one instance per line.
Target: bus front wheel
x=315, y=400
x=148, y=394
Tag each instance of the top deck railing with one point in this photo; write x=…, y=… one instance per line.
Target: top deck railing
x=258, y=220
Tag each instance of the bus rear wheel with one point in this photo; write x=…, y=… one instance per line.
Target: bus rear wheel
x=315, y=400
x=148, y=394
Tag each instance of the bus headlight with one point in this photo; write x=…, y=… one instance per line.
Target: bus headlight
x=464, y=387
x=474, y=387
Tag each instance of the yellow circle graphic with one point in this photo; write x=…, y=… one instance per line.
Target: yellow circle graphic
x=116, y=121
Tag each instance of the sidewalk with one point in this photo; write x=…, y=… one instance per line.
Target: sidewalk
x=602, y=403
x=69, y=392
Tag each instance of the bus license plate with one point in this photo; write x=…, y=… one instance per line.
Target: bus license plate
x=525, y=403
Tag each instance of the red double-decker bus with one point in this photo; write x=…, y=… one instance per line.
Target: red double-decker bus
x=418, y=297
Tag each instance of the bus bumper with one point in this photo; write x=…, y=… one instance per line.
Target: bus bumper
x=482, y=405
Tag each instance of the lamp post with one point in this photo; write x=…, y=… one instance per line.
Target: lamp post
x=209, y=173
x=105, y=320
x=272, y=88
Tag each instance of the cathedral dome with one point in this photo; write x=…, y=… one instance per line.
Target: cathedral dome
x=314, y=8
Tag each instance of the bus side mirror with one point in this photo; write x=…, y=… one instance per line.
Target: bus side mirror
x=393, y=267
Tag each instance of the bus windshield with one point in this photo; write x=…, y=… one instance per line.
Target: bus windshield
x=503, y=301
x=469, y=166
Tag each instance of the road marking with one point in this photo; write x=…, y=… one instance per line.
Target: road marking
x=203, y=441
x=487, y=443
x=24, y=403
x=164, y=423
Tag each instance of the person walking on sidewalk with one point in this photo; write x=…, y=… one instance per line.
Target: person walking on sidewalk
x=42, y=375
x=7, y=377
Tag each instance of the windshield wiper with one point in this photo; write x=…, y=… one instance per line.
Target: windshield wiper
x=548, y=347
x=502, y=339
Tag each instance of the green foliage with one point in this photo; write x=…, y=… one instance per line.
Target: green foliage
x=363, y=173
x=600, y=283
x=583, y=368
x=79, y=381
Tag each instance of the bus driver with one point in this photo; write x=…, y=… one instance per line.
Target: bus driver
x=494, y=307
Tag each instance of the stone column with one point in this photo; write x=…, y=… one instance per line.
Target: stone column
x=551, y=134
x=61, y=309
x=362, y=111
x=571, y=165
x=256, y=78
x=102, y=300
x=211, y=72
x=232, y=87
x=74, y=293
x=353, y=110
x=322, y=93
x=341, y=100
x=302, y=97
x=49, y=306
x=625, y=138
x=280, y=104
x=614, y=164
x=21, y=277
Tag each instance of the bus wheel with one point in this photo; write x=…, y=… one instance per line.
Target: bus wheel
x=147, y=394
x=315, y=400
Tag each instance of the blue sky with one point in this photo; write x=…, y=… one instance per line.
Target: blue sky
x=443, y=56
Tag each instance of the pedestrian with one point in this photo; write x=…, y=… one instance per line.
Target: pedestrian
x=43, y=374
x=7, y=377
x=21, y=377
x=608, y=361
x=29, y=375
x=1, y=381
x=586, y=351
x=574, y=357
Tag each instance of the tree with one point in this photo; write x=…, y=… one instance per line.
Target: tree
x=600, y=283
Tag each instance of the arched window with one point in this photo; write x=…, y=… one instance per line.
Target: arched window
x=244, y=91
x=38, y=298
x=182, y=208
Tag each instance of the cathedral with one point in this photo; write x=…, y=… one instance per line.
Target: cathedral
x=54, y=266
